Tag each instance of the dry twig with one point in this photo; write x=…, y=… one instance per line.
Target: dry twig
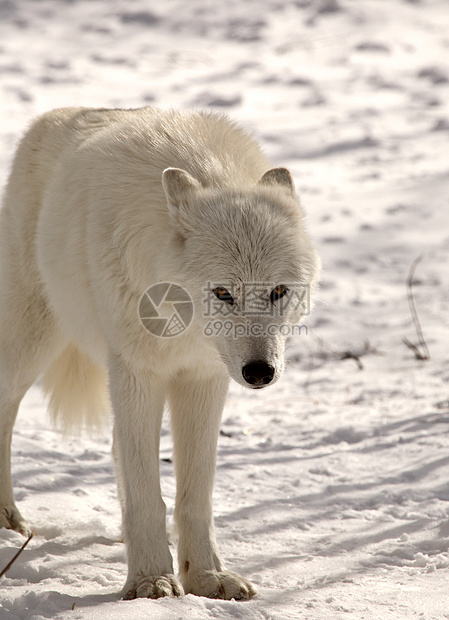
x=347, y=354
x=423, y=353
x=8, y=566
x=309, y=377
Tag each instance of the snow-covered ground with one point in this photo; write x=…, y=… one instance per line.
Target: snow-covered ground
x=332, y=489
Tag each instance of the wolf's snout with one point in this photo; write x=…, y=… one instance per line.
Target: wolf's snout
x=258, y=373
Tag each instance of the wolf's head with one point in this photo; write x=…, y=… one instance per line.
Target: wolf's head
x=245, y=259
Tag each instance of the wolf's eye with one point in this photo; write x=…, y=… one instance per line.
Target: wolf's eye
x=278, y=292
x=223, y=295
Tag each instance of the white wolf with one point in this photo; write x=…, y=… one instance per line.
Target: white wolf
x=100, y=206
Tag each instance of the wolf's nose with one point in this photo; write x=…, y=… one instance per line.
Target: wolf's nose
x=258, y=373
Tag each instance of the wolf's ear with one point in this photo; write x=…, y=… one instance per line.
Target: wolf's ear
x=278, y=176
x=178, y=184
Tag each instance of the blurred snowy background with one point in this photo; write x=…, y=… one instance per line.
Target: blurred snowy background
x=332, y=489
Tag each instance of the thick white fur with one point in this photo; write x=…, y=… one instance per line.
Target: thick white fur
x=90, y=221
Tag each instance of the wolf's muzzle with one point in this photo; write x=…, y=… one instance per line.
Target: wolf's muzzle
x=258, y=373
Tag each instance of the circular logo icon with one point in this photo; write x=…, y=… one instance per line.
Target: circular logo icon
x=166, y=310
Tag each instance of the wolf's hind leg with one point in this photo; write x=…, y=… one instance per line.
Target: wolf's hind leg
x=10, y=516
x=29, y=340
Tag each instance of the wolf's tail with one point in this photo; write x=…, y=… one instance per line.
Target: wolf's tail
x=77, y=389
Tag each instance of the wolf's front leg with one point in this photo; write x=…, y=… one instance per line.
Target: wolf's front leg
x=138, y=403
x=196, y=408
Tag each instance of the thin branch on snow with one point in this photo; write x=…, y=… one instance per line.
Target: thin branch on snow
x=423, y=353
x=8, y=566
x=309, y=377
x=339, y=354
x=346, y=354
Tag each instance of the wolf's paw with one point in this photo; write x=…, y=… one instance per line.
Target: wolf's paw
x=218, y=584
x=11, y=518
x=155, y=586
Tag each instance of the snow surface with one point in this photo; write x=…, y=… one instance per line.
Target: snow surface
x=332, y=489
